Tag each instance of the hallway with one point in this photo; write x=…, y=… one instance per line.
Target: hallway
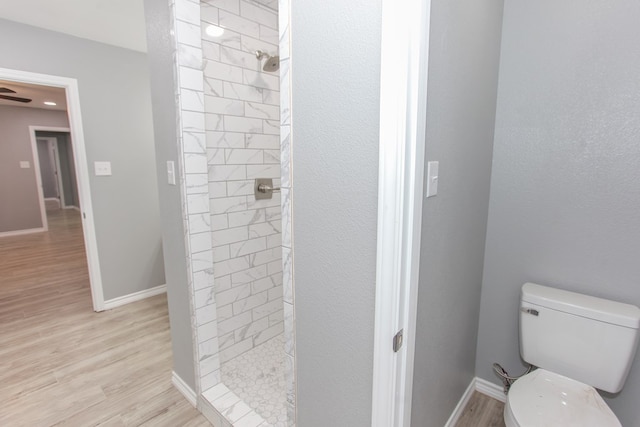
x=63, y=364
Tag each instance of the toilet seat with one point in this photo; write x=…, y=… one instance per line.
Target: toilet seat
x=545, y=399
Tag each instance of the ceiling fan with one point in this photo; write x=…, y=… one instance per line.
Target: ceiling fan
x=4, y=90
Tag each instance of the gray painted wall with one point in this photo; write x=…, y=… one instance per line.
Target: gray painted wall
x=565, y=191
x=462, y=84
x=20, y=205
x=160, y=54
x=335, y=122
x=116, y=113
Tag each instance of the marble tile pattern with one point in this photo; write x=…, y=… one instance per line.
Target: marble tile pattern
x=257, y=378
x=234, y=118
x=284, y=38
x=242, y=116
x=224, y=408
x=193, y=167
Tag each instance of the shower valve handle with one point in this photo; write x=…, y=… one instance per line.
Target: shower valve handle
x=264, y=188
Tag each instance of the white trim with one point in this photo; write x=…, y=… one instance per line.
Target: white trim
x=36, y=167
x=404, y=51
x=184, y=389
x=136, y=296
x=490, y=389
x=81, y=165
x=53, y=199
x=19, y=232
x=462, y=404
x=481, y=386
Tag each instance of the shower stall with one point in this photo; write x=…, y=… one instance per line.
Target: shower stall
x=234, y=136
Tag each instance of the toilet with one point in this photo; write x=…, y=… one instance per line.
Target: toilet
x=579, y=343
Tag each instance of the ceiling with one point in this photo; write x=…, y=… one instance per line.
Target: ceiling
x=38, y=94
x=115, y=22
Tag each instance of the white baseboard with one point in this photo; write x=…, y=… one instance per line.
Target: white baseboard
x=183, y=388
x=481, y=386
x=490, y=389
x=462, y=404
x=136, y=296
x=19, y=232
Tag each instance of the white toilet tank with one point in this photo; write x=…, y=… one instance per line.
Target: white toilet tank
x=588, y=339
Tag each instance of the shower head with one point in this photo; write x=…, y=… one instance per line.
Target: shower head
x=271, y=64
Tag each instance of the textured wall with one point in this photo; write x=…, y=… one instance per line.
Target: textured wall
x=462, y=85
x=242, y=123
x=20, y=207
x=125, y=204
x=565, y=191
x=161, y=49
x=335, y=66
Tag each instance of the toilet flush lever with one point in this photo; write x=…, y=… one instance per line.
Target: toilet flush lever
x=532, y=311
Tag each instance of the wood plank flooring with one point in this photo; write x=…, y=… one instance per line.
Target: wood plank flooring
x=482, y=411
x=61, y=364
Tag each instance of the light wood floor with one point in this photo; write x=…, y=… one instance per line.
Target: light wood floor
x=63, y=364
x=482, y=411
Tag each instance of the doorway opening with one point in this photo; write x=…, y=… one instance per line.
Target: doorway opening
x=57, y=173
x=67, y=121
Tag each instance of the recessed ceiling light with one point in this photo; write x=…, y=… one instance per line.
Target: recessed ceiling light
x=50, y=103
x=214, y=31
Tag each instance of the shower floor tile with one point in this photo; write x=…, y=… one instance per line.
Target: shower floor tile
x=257, y=377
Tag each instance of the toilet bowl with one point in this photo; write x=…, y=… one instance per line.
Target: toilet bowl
x=542, y=398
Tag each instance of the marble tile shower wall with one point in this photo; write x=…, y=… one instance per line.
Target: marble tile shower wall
x=194, y=189
x=242, y=122
x=284, y=7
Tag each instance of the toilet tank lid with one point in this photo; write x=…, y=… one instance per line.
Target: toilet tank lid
x=613, y=312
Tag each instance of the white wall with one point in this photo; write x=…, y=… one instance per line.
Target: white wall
x=116, y=113
x=565, y=190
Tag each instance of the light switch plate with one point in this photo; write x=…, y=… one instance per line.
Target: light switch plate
x=102, y=168
x=432, y=178
x=24, y=164
x=171, y=172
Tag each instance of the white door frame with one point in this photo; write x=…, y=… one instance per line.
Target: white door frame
x=403, y=99
x=81, y=165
